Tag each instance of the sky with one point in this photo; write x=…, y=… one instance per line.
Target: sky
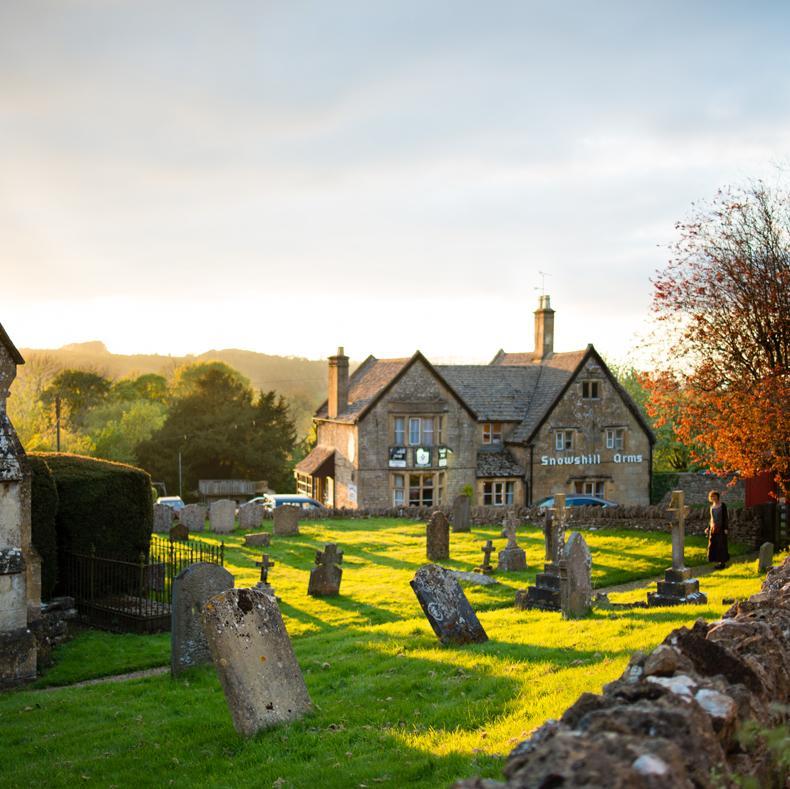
x=287, y=177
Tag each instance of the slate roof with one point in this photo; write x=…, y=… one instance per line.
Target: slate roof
x=499, y=463
x=496, y=394
x=567, y=360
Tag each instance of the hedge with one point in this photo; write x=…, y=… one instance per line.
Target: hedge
x=44, y=509
x=102, y=505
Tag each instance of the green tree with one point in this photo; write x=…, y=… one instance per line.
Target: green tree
x=79, y=391
x=117, y=427
x=150, y=386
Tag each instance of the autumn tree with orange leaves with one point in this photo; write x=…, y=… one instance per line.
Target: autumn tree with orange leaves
x=724, y=300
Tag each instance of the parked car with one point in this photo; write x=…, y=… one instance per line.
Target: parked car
x=577, y=501
x=175, y=503
x=272, y=500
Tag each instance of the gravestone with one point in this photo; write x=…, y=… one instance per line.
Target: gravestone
x=163, y=517
x=286, y=520
x=222, y=516
x=545, y=594
x=766, y=558
x=576, y=578
x=325, y=576
x=486, y=567
x=179, y=532
x=462, y=512
x=193, y=516
x=511, y=558
x=191, y=588
x=678, y=587
x=254, y=659
x=263, y=582
x=446, y=607
x=261, y=539
x=437, y=537
x=251, y=515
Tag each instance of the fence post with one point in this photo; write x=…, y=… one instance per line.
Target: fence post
x=92, y=572
x=222, y=554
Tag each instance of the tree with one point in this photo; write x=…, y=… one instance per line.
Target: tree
x=79, y=391
x=725, y=299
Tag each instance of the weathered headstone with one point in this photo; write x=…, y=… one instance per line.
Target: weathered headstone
x=191, y=588
x=486, y=567
x=462, y=509
x=265, y=564
x=678, y=587
x=254, y=659
x=576, y=578
x=261, y=539
x=179, y=532
x=163, y=517
x=766, y=558
x=222, y=516
x=446, y=607
x=511, y=558
x=251, y=515
x=286, y=520
x=545, y=594
x=437, y=537
x=193, y=516
x=325, y=576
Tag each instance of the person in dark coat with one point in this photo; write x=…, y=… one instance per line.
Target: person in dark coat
x=717, y=531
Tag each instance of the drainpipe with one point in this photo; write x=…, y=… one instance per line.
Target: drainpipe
x=531, y=453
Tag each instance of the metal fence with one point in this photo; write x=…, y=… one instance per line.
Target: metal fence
x=116, y=594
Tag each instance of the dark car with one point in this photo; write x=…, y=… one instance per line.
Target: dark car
x=577, y=501
x=272, y=500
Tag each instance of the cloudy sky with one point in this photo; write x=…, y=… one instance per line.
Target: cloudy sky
x=290, y=176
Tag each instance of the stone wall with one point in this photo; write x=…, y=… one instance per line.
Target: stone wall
x=696, y=487
x=674, y=717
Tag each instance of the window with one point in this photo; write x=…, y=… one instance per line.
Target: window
x=590, y=487
x=440, y=489
x=304, y=484
x=591, y=390
x=492, y=432
x=439, y=425
x=615, y=437
x=563, y=439
x=398, y=490
x=399, y=431
x=427, y=431
x=498, y=494
x=420, y=490
x=414, y=431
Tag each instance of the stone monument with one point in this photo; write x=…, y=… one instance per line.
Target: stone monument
x=222, y=516
x=163, y=518
x=576, y=578
x=263, y=583
x=462, y=509
x=193, y=516
x=511, y=557
x=678, y=587
x=325, y=576
x=765, y=560
x=261, y=539
x=254, y=659
x=486, y=567
x=251, y=515
x=179, y=532
x=446, y=607
x=437, y=537
x=286, y=520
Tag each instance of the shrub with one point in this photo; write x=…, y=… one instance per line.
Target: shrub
x=103, y=505
x=44, y=509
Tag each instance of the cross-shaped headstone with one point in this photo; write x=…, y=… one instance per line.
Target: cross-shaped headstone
x=557, y=524
x=678, y=505
x=487, y=550
x=265, y=564
x=509, y=531
x=330, y=555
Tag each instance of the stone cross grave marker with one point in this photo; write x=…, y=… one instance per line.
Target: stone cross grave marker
x=251, y=515
x=191, y=588
x=265, y=563
x=511, y=558
x=446, y=607
x=545, y=594
x=257, y=540
x=558, y=523
x=678, y=505
x=486, y=567
x=163, y=518
x=766, y=559
x=286, y=520
x=462, y=507
x=437, y=537
x=576, y=578
x=325, y=576
x=179, y=532
x=193, y=516
x=222, y=516
x=254, y=659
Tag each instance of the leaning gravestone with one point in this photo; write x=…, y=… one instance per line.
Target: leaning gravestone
x=437, y=534
x=254, y=660
x=179, y=532
x=766, y=558
x=258, y=540
x=191, y=588
x=446, y=607
x=462, y=507
x=576, y=578
x=163, y=517
x=325, y=576
x=222, y=516
x=251, y=515
x=193, y=516
x=286, y=520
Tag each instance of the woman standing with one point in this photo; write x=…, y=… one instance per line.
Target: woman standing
x=717, y=531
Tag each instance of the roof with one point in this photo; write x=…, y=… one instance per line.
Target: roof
x=5, y=340
x=567, y=360
x=497, y=463
x=315, y=459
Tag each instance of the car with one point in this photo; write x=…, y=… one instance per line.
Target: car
x=272, y=500
x=175, y=503
x=577, y=500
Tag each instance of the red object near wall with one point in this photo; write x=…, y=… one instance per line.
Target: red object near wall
x=760, y=490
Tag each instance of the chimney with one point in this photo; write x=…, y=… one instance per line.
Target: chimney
x=338, y=383
x=544, y=330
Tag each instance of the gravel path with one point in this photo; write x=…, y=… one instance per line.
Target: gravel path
x=148, y=672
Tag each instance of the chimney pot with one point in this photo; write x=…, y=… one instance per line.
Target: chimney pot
x=337, y=398
x=544, y=329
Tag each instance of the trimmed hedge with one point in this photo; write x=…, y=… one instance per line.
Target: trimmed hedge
x=44, y=510
x=102, y=504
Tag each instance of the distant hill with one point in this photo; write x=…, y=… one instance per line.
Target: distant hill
x=301, y=381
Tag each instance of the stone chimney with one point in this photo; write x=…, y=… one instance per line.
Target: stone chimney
x=338, y=383
x=544, y=330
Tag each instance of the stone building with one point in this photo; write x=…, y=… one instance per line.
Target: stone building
x=405, y=432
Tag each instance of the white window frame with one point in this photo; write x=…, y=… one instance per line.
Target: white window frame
x=492, y=432
x=499, y=493
x=425, y=482
x=414, y=429
x=590, y=487
x=615, y=438
x=399, y=431
x=427, y=427
x=563, y=440
x=398, y=490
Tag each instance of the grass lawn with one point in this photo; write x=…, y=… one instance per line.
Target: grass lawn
x=393, y=707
